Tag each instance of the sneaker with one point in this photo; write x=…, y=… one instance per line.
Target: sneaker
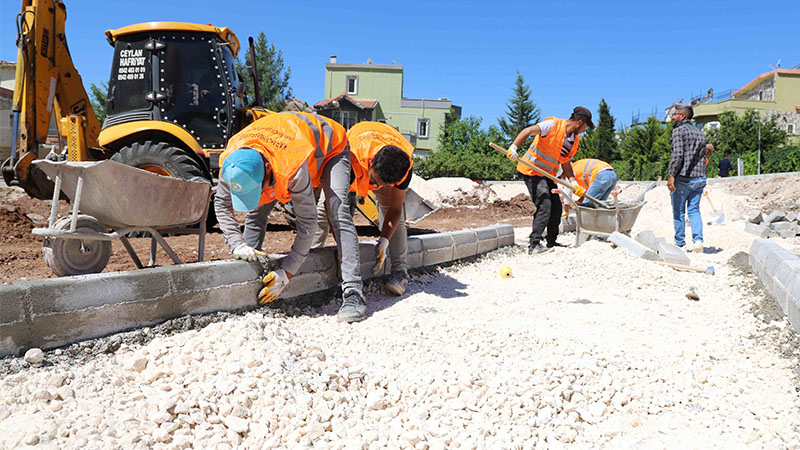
x=397, y=283
x=698, y=247
x=539, y=248
x=556, y=244
x=354, y=307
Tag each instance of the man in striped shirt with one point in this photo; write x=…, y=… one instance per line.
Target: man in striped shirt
x=687, y=176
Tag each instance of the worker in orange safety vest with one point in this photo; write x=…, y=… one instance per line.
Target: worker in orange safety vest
x=283, y=157
x=596, y=177
x=555, y=143
x=381, y=159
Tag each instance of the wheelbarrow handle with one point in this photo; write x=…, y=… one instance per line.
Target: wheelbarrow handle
x=547, y=175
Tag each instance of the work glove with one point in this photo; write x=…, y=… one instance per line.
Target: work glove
x=577, y=189
x=274, y=283
x=512, y=153
x=380, y=254
x=247, y=253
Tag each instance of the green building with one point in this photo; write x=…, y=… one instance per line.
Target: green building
x=358, y=92
x=775, y=93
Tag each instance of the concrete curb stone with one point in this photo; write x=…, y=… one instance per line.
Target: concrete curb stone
x=633, y=247
x=779, y=271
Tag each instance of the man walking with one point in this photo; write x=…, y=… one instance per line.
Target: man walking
x=284, y=157
x=555, y=143
x=724, y=167
x=687, y=176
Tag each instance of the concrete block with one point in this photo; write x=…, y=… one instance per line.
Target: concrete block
x=633, y=247
x=648, y=239
x=15, y=338
x=771, y=264
x=783, y=226
x=793, y=304
x=672, y=254
x=755, y=216
x=466, y=243
x=775, y=216
x=366, y=252
x=437, y=248
x=781, y=295
x=205, y=275
x=414, y=256
x=505, y=235
x=788, y=271
x=788, y=234
x=487, y=239
x=759, y=230
x=12, y=299
x=791, y=216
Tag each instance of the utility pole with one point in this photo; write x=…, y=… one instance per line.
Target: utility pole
x=758, y=119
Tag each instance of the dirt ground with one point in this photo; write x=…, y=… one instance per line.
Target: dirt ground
x=21, y=252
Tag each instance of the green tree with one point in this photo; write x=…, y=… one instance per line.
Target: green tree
x=98, y=96
x=737, y=136
x=645, y=151
x=521, y=111
x=273, y=75
x=600, y=143
x=464, y=151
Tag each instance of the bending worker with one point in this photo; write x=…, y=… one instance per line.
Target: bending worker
x=284, y=157
x=381, y=160
x=596, y=177
x=555, y=143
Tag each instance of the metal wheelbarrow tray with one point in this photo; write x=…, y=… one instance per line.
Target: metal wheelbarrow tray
x=108, y=194
x=602, y=222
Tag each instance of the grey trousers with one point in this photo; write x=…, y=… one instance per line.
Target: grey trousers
x=335, y=183
x=398, y=244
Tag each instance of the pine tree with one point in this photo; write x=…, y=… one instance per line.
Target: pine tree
x=273, y=76
x=605, y=136
x=521, y=111
x=98, y=99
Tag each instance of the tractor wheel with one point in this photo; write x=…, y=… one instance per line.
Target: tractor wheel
x=164, y=159
x=160, y=158
x=74, y=256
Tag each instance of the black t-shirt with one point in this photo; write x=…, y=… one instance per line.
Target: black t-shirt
x=724, y=167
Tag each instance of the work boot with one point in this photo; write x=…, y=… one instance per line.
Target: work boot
x=354, y=307
x=538, y=249
x=397, y=283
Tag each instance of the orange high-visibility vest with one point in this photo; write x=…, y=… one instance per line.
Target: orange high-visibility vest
x=586, y=170
x=366, y=140
x=288, y=140
x=545, y=152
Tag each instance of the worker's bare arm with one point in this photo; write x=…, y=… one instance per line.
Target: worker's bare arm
x=526, y=134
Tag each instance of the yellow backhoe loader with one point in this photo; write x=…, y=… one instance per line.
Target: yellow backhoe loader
x=174, y=98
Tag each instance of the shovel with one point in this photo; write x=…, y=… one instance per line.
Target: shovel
x=717, y=216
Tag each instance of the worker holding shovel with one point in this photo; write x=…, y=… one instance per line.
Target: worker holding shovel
x=284, y=157
x=597, y=177
x=555, y=142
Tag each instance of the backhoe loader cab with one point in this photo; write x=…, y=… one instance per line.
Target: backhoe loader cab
x=174, y=98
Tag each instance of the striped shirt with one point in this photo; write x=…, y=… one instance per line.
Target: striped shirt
x=688, y=148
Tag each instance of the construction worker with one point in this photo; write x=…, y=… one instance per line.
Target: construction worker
x=284, y=157
x=381, y=160
x=596, y=177
x=555, y=142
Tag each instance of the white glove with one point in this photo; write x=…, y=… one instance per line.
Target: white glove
x=512, y=153
x=380, y=254
x=247, y=253
x=274, y=283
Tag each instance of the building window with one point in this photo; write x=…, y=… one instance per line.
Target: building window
x=346, y=118
x=423, y=127
x=760, y=95
x=790, y=128
x=351, y=82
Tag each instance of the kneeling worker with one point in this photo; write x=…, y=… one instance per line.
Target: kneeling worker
x=381, y=160
x=596, y=177
x=284, y=157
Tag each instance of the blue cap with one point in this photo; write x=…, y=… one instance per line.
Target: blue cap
x=243, y=171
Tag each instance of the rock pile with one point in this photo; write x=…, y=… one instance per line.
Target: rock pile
x=776, y=223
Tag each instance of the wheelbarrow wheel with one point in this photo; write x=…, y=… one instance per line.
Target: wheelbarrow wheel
x=67, y=257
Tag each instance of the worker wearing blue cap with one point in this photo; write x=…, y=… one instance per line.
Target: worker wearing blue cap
x=284, y=157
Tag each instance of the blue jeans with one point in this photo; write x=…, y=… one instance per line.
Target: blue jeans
x=601, y=187
x=688, y=191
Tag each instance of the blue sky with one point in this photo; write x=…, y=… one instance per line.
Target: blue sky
x=637, y=55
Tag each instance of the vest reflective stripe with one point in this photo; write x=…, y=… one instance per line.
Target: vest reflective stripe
x=587, y=173
x=319, y=155
x=543, y=161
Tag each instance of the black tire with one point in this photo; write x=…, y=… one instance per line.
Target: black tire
x=67, y=257
x=160, y=158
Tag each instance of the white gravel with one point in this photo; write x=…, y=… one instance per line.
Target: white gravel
x=584, y=347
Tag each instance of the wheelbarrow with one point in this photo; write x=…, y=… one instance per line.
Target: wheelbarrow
x=602, y=222
x=110, y=200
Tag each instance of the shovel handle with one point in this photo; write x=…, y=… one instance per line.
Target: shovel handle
x=547, y=175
